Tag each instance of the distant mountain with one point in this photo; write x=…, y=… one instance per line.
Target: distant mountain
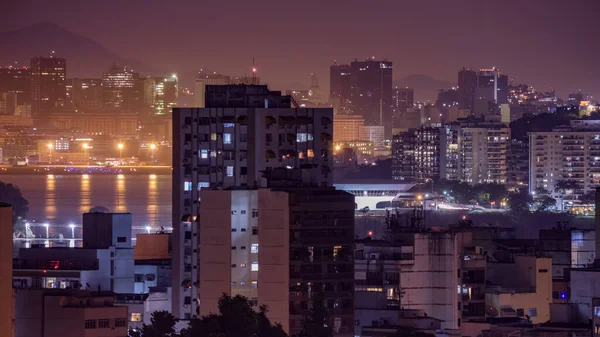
x=426, y=88
x=85, y=57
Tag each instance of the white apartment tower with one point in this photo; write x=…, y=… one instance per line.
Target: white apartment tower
x=243, y=132
x=567, y=153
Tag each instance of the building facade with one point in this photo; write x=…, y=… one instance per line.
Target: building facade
x=347, y=127
x=276, y=247
x=425, y=154
x=244, y=132
x=48, y=83
x=371, y=92
x=7, y=314
x=566, y=154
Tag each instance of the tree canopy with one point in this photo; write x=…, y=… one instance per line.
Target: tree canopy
x=248, y=322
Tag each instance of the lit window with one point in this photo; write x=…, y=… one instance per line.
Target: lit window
x=213, y=154
x=228, y=125
x=243, y=283
x=254, y=284
x=213, y=136
x=227, y=138
x=204, y=154
x=203, y=185
x=254, y=266
x=254, y=248
x=242, y=265
x=304, y=137
x=230, y=171
x=233, y=284
x=135, y=317
x=187, y=186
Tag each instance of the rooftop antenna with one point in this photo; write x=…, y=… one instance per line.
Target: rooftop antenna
x=253, y=72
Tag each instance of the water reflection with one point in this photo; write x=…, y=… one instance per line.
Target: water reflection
x=66, y=197
x=50, y=201
x=85, y=194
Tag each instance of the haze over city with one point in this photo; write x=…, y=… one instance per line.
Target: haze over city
x=299, y=169
x=547, y=44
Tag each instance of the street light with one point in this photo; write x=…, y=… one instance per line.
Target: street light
x=152, y=147
x=72, y=230
x=50, y=149
x=120, y=146
x=85, y=152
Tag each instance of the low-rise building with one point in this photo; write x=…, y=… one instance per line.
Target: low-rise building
x=69, y=313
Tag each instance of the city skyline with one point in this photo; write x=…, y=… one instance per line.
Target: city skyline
x=469, y=34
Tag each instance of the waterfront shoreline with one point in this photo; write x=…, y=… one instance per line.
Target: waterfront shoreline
x=78, y=170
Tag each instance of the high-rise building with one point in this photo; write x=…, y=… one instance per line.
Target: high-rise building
x=85, y=93
x=161, y=94
x=566, y=161
x=275, y=247
x=243, y=132
x=403, y=98
x=48, y=83
x=424, y=154
x=340, y=86
x=371, y=92
x=483, y=150
x=346, y=128
x=121, y=88
x=482, y=91
x=204, y=79
x=16, y=81
x=6, y=271
x=467, y=83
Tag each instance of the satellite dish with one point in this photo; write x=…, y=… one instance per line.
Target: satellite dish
x=491, y=311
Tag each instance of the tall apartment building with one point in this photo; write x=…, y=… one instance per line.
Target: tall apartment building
x=48, y=83
x=6, y=269
x=483, y=149
x=244, y=132
x=568, y=153
x=287, y=248
x=419, y=155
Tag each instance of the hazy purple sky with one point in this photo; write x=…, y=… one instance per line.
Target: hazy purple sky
x=540, y=42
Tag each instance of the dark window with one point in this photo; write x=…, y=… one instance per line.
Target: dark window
x=233, y=230
x=187, y=300
x=121, y=239
x=103, y=324
x=243, y=247
x=243, y=229
x=150, y=277
x=233, y=247
x=543, y=270
x=458, y=273
x=520, y=312
x=243, y=170
x=555, y=294
x=269, y=137
x=90, y=324
x=120, y=323
x=188, y=235
x=138, y=278
x=254, y=230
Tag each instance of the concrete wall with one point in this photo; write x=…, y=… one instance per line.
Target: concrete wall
x=6, y=289
x=525, y=270
x=152, y=246
x=585, y=285
x=274, y=255
x=215, y=249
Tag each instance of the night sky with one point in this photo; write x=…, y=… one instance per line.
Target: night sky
x=540, y=42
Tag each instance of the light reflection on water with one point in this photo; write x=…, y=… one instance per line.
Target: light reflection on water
x=62, y=199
